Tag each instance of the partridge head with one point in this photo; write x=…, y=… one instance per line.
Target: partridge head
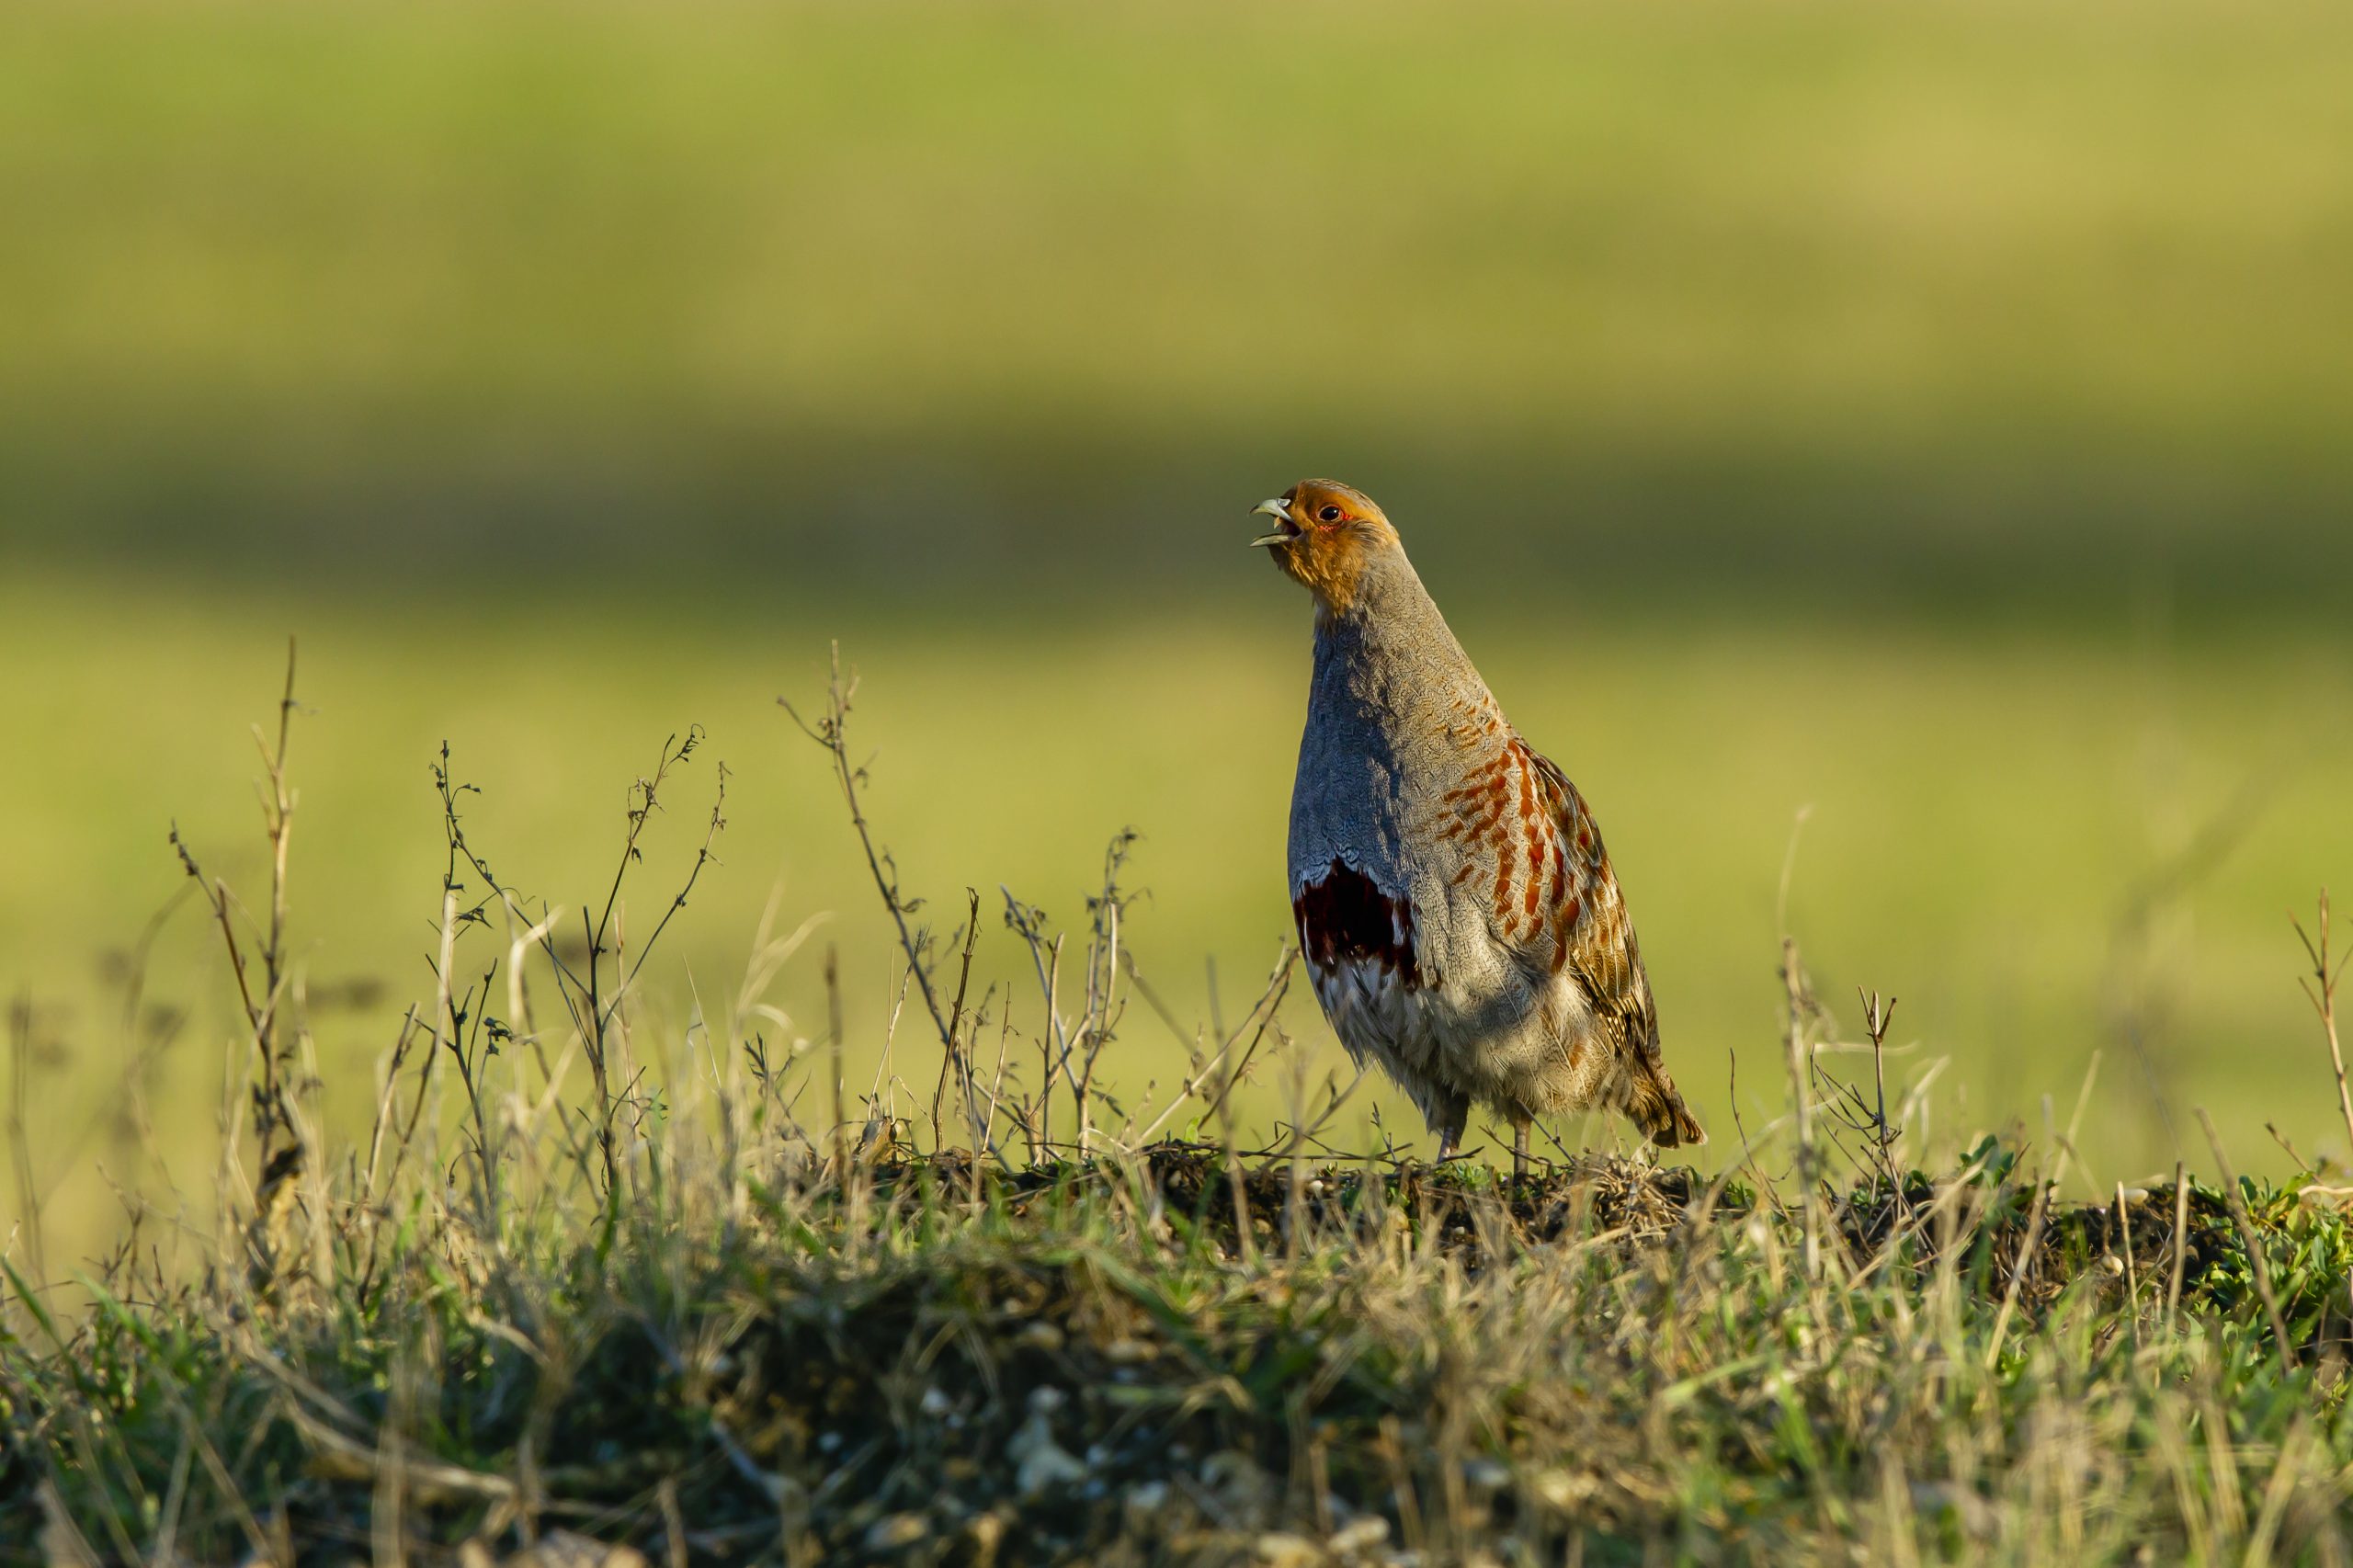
x=1325, y=537
x=1460, y=919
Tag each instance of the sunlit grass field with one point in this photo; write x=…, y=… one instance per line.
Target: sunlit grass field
x=2046, y=846
x=1892, y=457
x=1926, y=424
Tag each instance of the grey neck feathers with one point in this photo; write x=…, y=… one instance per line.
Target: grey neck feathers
x=1390, y=653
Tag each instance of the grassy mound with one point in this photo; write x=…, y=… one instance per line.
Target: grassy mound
x=1183, y=1356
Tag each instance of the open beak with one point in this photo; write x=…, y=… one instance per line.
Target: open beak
x=1279, y=510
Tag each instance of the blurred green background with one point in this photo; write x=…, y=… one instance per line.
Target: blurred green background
x=1928, y=419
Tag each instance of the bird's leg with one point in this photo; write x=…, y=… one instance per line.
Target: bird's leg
x=1448, y=1137
x=1519, y=1150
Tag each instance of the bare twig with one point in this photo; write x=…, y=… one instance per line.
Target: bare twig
x=831, y=731
x=834, y=1053
x=273, y=1111
x=2254, y=1243
x=1800, y=1013
x=956, y=1064
x=644, y=798
x=2321, y=987
x=1876, y=1015
x=2180, y=1242
x=703, y=856
x=29, y=1205
x=1028, y=922
x=2131, y=1275
x=1101, y=1017
x=277, y=816
x=1260, y=1016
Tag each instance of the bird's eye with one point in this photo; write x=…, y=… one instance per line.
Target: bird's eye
x=1328, y=515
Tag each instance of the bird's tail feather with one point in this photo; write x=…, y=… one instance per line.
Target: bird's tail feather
x=1657, y=1106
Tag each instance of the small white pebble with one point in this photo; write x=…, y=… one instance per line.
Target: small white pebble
x=1039, y=1463
x=1562, y=1489
x=1040, y=1335
x=1278, y=1549
x=1486, y=1474
x=934, y=1404
x=896, y=1530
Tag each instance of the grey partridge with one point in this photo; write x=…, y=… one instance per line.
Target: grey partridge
x=1455, y=904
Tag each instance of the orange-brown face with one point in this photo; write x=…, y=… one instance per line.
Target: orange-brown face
x=1325, y=534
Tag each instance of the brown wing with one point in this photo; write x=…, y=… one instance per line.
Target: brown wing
x=1526, y=840
x=1593, y=941
x=1589, y=934
x=1558, y=909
